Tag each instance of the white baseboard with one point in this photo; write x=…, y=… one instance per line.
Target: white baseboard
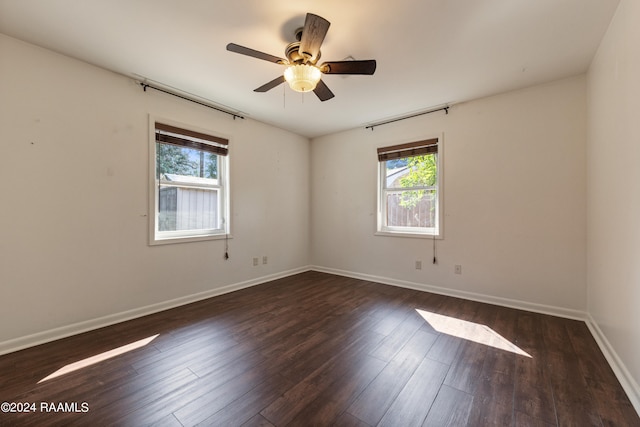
x=100, y=322
x=505, y=302
x=627, y=381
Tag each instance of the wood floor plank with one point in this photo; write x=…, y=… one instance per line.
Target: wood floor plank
x=465, y=373
x=374, y=401
x=398, y=337
x=390, y=322
x=613, y=407
x=348, y=420
x=228, y=366
x=504, y=350
x=328, y=405
x=535, y=402
x=498, y=385
x=487, y=411
x=445, y=349
x=314, y=358
x=285, y=408
x=320, y=349
x=450, y=409
x=413, y=403
x=242, y=410
x=533, y=394
x=599, y=376
x=214, y=399
x=570, y=388
x=139, y=395
x=533, y=398
x=180, y=354
x=258, y=421
x=524, y=420
x=168, y=421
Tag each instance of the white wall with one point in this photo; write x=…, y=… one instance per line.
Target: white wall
x=613, y=191
x=73, y=196
x=514, y=199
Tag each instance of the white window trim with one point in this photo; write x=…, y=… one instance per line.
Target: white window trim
x=413, y=232
x=172, y=237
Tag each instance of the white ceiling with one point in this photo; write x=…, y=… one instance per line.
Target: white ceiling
x=429, y=52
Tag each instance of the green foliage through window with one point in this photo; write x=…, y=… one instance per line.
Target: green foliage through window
x=185, y=161
x=422, y=173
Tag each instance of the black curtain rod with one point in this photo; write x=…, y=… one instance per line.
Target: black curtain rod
x=147, y=85
x=445, y=109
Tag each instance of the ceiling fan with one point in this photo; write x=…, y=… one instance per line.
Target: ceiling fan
x=302, y=73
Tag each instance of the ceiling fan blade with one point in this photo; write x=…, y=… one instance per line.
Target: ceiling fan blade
x=313, y=33
x=232, y=47
x=367, y=67
x=323, y=92
x=268, y=86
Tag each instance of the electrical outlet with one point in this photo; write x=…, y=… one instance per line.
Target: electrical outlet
x=264, y=259
x=418, y=265
x=457, y=269
x=255, y=262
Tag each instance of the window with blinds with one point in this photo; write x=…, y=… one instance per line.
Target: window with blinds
x=410, y=183
x=189, y=186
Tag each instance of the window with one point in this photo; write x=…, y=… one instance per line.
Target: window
x=410, y=189
x=189, y=185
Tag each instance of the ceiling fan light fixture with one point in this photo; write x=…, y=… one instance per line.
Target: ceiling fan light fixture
x=302, y=77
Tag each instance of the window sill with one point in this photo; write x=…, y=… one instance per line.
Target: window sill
x=409, y=234
x=188, y=239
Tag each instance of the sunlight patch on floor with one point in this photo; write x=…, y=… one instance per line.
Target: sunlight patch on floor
x=99, y=358
x=470, y=331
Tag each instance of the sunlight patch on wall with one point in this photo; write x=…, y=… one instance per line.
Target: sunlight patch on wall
x=99, y=358
x=470, y=331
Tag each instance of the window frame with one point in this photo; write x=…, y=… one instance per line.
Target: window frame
x=157, y=237
x=436, y=232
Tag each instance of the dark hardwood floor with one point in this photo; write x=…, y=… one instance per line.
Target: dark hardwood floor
x=317, y=350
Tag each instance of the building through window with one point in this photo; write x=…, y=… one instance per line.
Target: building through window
x=190, y=185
